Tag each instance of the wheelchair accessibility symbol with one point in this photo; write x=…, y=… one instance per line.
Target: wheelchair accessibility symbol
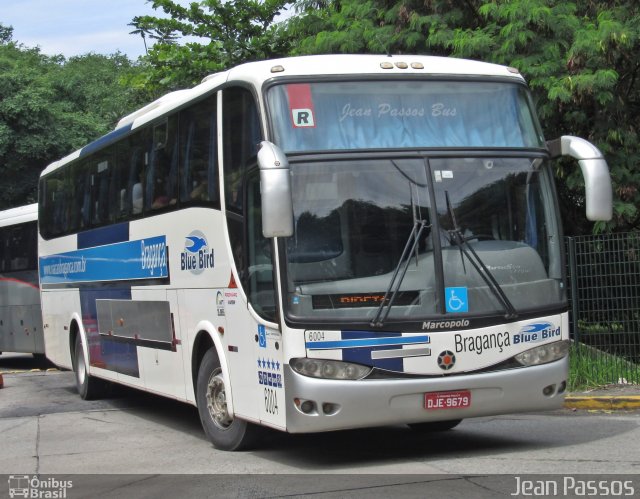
x=456, y=300
x=262, y=336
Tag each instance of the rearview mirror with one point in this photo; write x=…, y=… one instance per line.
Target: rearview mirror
x=597, y=181
x=275, y=188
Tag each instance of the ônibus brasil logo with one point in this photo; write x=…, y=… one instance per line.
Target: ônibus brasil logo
x=197, y=256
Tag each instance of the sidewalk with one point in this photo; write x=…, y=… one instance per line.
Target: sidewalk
x=607, y=398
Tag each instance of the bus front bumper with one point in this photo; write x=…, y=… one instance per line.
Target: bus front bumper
x=315, y=405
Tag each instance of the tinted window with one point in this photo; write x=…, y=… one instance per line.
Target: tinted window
x=199, y=172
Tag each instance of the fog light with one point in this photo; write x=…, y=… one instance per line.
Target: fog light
x=544, y=353
x=329, y=408
x=548, y=390
x=329, y=369
x=307, y=406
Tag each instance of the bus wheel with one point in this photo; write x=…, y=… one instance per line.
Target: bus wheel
x=89, y=388
x=434, y=426
x=224, y=431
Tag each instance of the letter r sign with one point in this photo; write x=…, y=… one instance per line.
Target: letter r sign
x=303, y=118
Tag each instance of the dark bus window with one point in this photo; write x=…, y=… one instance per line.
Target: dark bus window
x=199, y=181
x=128, y=195
x=260, y=280
x=18, y=247
x=162, y=172
x=56, y=191
x=241, y=136
x=101, y=167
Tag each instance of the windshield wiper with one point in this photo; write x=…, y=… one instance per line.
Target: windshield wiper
x=411, y=246
x=457, y=238
x=398, y=275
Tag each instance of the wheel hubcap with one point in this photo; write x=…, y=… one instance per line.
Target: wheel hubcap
x=217, y=401
x=82, y=371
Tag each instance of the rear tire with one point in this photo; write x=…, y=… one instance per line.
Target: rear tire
x=89, y=388
x=435, y=426
x=224, y=431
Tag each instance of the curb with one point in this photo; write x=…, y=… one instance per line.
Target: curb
x=23, y=371
x=606, y=403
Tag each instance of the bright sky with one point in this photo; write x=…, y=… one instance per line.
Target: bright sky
x=76, y=27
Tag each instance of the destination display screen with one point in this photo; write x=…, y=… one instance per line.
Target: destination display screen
x=358, y=300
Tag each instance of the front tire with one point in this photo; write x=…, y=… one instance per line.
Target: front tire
x=89, y=388
x=223, y=430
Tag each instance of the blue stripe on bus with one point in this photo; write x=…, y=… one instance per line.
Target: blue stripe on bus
x=363, y=355
x=359, y=342
x=128, y=260
x=105, y=140
x=104, y=235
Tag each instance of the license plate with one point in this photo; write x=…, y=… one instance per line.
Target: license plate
x=447, y=400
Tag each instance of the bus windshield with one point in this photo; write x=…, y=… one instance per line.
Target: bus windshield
x=324, y=116
x=482, y=220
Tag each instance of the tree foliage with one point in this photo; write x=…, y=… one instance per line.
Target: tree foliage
x=580, y=59
x=49, y=107
x=206, y=37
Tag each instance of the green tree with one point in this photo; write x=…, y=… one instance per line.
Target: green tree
x=580, y=59
x=206, y=37
x=49, y=107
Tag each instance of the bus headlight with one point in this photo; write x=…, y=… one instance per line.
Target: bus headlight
x=329, y=369
x=544, y=353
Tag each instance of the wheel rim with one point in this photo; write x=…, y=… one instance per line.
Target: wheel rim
x=217, y=401
x=82, y=369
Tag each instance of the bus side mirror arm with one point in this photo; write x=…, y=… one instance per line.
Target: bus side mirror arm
x=275, y=189
x=595, y=171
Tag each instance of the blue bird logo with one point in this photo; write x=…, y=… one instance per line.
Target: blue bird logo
x=534, y=328
x=197, y=244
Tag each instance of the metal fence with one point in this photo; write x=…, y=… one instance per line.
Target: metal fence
x=604, y=294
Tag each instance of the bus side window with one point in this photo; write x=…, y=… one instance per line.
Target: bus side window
x=119, y=197
x=101, y=178
x=261, y=286
x=251, y=251
x=31, y=235
x=127, y=194
x=85, y=195
x=199, y=173
x=74, y=199
x=18, y=247
x=135, y=185
x=162, y=172
x=3, y=250
x=54, y=213
x=242, y=134
x=136, y=156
